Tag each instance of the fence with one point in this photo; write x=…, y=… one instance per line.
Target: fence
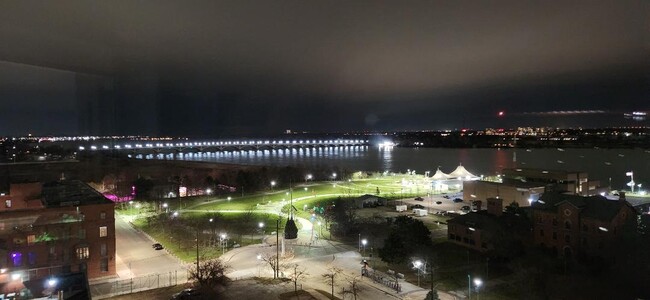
x=136, y=284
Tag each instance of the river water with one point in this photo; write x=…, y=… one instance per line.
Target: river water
x=601, y=164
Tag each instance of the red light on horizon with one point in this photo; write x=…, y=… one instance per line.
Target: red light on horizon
x=501, y=113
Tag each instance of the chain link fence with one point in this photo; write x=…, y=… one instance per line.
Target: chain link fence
x=136, y=284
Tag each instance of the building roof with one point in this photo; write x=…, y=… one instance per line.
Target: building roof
x=596, y=207
x=71, y=193
x=369, y=196
x=462, y=173
x=439, y=175
x=516, y=184
x=539, y=173
x=479, y=220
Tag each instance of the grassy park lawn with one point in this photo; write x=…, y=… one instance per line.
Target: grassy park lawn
x=178, y=234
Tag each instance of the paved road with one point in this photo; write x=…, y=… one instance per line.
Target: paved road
x=135, y=258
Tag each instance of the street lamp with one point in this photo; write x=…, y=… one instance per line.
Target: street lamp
x=229, y=198
x=208, y=191
x=165, y=206
x=223, y=244
x=308, y=177
x=364, y=242
x=272, y=184
x=333, y=176
x=418, y=264
x=320, y=225
x=175, y=214
x=478, y=282
x=260, y=225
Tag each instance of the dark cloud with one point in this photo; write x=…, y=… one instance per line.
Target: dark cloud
x=206, y=67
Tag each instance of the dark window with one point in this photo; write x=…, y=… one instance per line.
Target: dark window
x=555, y=235
x=567, y=224
x=82, y=233
x=102, y=215
x=585, y=228
x=103, y=265
x=554, y=222
x=102, y=249
x=484, y=245
x=541, y=232
x=567, y=238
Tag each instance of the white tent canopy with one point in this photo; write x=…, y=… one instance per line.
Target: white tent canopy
x=440, y=175
x=462, y=173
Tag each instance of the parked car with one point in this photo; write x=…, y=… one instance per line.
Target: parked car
x=418, y=206
x=157, y=246
x=186, y=294
x=419, y=199
x=465, y=208
x=438, y=202
x=445, y=196
x=458, y=200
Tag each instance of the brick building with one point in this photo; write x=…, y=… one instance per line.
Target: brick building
x=53, y=228
x=573, y=225
x=490, y=230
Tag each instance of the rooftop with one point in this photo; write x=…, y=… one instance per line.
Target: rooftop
x=597, y=207
x=71, y=193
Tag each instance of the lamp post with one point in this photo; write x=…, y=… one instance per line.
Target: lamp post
x=469, y=286
x=308, y=177
x=223, y=243
x=165, y=206
x=320, y=225
x=364, y=242
x=478, y=282
x=272, y=184
x=418, y=264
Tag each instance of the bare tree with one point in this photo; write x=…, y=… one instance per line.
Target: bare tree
x=209, y=273
x=297, y=273
x=330, y=277
x=272, y=260
x=354, y=287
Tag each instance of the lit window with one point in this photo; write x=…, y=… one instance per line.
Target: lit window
x=103, y=231
x=31, y=239
x=83, y=252
x=8, y=203
x=17, y=259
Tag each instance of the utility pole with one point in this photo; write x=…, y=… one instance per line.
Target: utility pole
x=197, y=249
x=277, y=247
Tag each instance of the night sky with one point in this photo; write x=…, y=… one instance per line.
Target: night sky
x=216, y=68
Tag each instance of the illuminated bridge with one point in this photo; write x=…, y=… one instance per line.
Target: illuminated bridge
x=146, y=147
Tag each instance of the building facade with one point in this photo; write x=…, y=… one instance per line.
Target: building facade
x=573, y=225
x=54, y=228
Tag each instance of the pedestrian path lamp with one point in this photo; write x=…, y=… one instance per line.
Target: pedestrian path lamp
x=478, y=282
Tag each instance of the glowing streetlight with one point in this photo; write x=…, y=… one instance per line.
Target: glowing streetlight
x=364, y=242
x=478, y=282
x=211, y=219
x=334, y=176
x=223, y=243
x=417, y=265
x=208, y=191
x=165, y=206
x=175, y=214
x=308, y=177
x=229, y=198
x=261, y=225
x=273, y=184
